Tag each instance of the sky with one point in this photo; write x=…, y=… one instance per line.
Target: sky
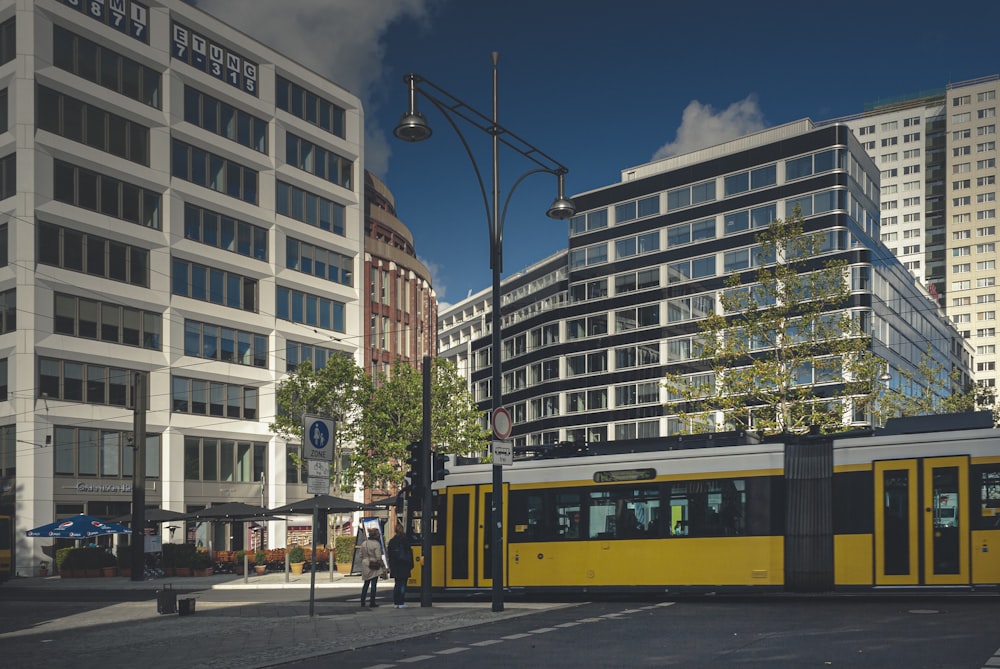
x=600, y=86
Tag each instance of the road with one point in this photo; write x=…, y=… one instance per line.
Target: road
x=863, y=634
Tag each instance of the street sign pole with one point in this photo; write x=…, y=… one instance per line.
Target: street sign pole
x=317, y=450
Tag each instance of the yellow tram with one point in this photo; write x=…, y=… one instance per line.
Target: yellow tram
x=814, y=514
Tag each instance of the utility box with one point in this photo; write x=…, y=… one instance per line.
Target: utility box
x=166, y=600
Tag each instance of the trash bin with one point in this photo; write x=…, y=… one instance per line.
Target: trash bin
x=185, y=606
x=166, y=600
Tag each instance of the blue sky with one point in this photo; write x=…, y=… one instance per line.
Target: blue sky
x=600, y=86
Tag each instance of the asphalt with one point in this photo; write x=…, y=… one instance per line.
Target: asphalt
x=235, y=621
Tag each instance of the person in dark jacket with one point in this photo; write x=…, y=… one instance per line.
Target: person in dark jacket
x=400, y=564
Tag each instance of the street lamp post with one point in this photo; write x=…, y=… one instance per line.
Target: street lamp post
x=413, y=128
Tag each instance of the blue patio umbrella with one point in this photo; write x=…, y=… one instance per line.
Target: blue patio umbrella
x=78, y=527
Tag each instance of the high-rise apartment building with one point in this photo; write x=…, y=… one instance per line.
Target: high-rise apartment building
x=179, y=201
x=590, y=333
x=937, y=153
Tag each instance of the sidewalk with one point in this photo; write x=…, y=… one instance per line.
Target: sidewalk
x=247, y=633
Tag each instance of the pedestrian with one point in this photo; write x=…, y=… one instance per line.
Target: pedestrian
x=371, y=564
x=400, y=565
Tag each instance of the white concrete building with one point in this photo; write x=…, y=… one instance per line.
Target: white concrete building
x=177, y=200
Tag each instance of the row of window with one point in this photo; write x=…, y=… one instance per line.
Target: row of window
x=106, y=195
x=84, y=452
x=225, y=120
x=105, y=321
x=222, y=175
x=215, y=342
x=307, y=207
x=297, y=353
x=211, y=284
x=73, y=119
x=225, y=460
x=224, y=232
x=703, y=508
x=83, y=252
x=299, y=307
x=310, y=107
x=90, y=383
x=318, y=161
x=213, y=398
x=100, y=65
x=317, y=261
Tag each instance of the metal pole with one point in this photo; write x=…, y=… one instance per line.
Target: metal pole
x=426, y=547
x=139, y=478
x=496, y=260
x=312, y=571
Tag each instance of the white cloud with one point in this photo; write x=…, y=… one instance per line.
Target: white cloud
x=340, y=39
x=702, y=126
x=440, y=288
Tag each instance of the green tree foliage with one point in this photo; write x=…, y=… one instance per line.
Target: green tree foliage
x=782, y=347
x=341, y=390
x=378, y=420
x=930, y=388
x=394, y=418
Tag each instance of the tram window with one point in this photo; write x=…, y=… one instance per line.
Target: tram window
x=853, y=493
x=569, y=518
x=624, y=512
x=526, y=515
x=710, y=508
x=986, y=486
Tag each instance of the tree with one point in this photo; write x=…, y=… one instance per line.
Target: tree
x=377, y=420
x=783, y=353
x=340, y=390
x=931, y=388
x=394, y=418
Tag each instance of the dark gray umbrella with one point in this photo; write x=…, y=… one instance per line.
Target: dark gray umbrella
x=228, y=511
x=327, y=503
x=383, y=503
x=152, y=516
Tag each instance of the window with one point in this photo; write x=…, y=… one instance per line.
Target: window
x=986, y=130
x=963, y=117
x=300, y=307
x=97, y=256
x=296, y=353
x=220, y=174
x=8, y=174
x=911, y=137
x=591, y=255
x=691, y=195
x=106, y=321
x=316, y=160
x=911, y=153
x=890, y=141
x=84, y=382
x=965, y=133
x=594, y=220
x=320, y=262
x=211, y=398
x=91, y=452
x=215, y=285
x=985, y=147
x=100, y=65
x=214, y=342
x=224, y=232
x=310, y=107
x=309, y=208
x=961, y=151
x=225, y=460
x=985, y=96
x=987, y=164
x=986, y=231
x=225, y=120
x=81, y=122
x=105, y=194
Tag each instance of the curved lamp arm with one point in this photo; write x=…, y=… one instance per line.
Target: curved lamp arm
x=506, y=203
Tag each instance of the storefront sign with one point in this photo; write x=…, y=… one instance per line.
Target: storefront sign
x=106, y=488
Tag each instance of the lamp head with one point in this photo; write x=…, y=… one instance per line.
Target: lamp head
x=412, y=127
x=562, y=207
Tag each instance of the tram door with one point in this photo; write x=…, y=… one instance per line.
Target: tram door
x=461, y=540
x=922, y=522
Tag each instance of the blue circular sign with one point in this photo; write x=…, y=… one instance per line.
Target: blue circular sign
x=319, y=435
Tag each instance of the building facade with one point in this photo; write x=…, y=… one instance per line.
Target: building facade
x=937, y=153
x=179, y=202
x=401, y=306
x=589, y=336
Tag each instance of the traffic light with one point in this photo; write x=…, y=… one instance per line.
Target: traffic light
x=438, y=463
x=415, y=462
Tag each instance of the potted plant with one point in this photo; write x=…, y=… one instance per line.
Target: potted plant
x=43, y=568
x=260, y=562
x=239, y=566
x=124, y=557
x=109, y=564
x=91, y=560
x=297, y=558
x=201, y=563
x=343, y=549
x=64, y=562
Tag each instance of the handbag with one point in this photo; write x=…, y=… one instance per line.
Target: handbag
x=374, y=565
